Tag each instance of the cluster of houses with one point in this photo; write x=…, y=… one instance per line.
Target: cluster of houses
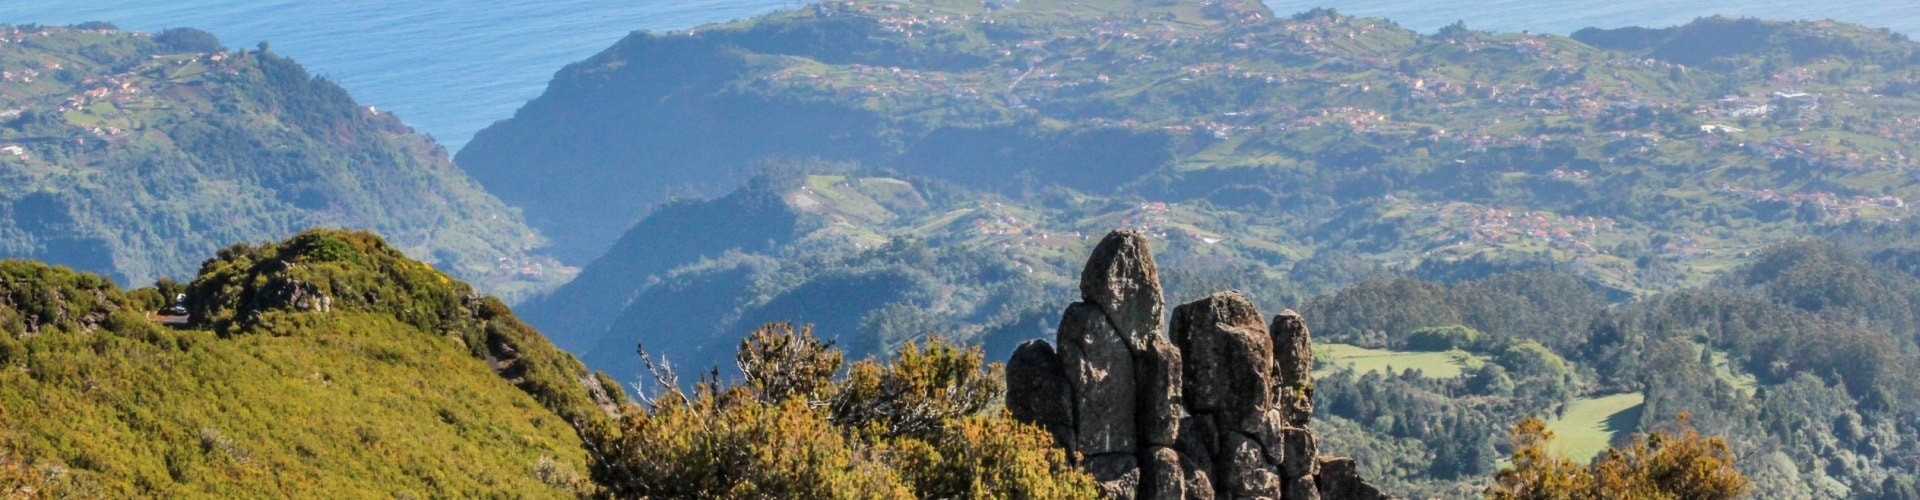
x=17, y=35
x=1834, y=206
x=1470, y=223
x=1037, y=70
x=21, y=75
x=119, y=89
x=530, y=268
x=862, y=81
x=893, y=17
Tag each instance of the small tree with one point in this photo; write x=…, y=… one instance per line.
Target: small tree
x=779, y=363
x=1681, y=464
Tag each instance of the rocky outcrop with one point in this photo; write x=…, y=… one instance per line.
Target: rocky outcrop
x=1214, y=405
x=1293, y=367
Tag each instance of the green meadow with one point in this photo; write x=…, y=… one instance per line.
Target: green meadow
x=1436, y=364
x=1590, y=424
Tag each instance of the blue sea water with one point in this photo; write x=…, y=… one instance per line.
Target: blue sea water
x=451, y=67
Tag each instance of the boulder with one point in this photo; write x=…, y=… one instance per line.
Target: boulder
x=1302, y=488
x=1292, y=367
x=1157, y=390
x=1292, y=350
x=1301, y=458
x=1161, y=474
x=1198, y=440
x=1099, y=369
x=1197, y=471
x=1226, y=359
x=1121, y=278
x=1242, y=470
x=1117, y=474
x=1037, y=390
x=1340, y=480
x=1273, y=436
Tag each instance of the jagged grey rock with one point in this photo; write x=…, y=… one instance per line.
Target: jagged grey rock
x=1037, y=389
x=1198, y=439
x=1227, y=359
x=1161, y=474
x=1292, y=350
x=1121, y=278
x=1118, y=474
x=1197, y=471
x=1099, y=368
x=1302, y=488
x=1300, y=459
x=1340, y=478
x=1220, y=410
x=1157, y=371
x=1293, y=367
x=1243, y=470
x=1273, y=437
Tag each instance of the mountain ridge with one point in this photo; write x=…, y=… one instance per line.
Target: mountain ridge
x=133, y=154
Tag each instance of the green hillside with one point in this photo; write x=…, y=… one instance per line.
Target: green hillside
x=405, y=383
x=135, y=155
x=1647, y=159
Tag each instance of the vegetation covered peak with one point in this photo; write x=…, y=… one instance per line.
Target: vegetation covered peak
x=328, y=363
x=36, y=297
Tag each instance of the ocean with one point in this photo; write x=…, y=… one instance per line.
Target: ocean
x=452, y=67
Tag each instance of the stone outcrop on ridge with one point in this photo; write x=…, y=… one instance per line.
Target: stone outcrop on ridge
x=1215, y=405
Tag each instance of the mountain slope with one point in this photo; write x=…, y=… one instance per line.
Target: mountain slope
x=135, y=155
x=1651, y=164
x=403, y=383
x=675, y=234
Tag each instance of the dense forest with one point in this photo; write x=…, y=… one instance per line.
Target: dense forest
x=1803, y=360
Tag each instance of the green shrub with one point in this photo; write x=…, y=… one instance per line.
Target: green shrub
x=918, y=426
x=1443, y=338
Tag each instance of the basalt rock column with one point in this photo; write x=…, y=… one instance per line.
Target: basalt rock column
x=1293, y=367
x=1122, y=280
x=1228, y=377
x=1228, y=388
x=1218, y=411
x=1099, y=369
x=1122, y=375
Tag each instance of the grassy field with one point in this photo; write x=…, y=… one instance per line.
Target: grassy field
x=1589, y=425
x=1732, y=373
x=1439, y=364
